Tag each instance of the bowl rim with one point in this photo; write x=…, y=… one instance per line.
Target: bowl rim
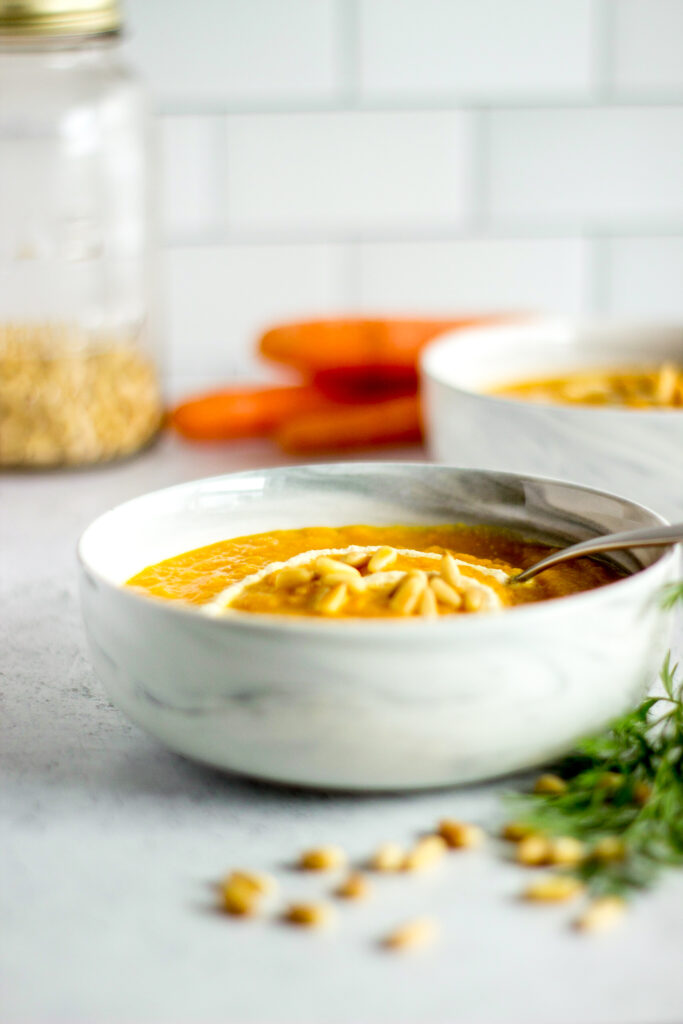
x=485, y=334
x=288, y=624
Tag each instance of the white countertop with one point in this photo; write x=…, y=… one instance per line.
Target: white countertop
x=110, y=844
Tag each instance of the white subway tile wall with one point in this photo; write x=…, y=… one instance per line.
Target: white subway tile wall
x=321, y=157
x=476, y=51
x=589, y=167
x=646, y=277
x=648, y=47
x=345, y=174
x=475, y=275
x=209, y=53
x=220, y=298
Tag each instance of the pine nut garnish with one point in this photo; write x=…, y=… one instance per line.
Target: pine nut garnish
x=460, y=835
x=533, y=850
x=473, y=599
x=325, y=564
x=445, y=593
x=450, y=572
x=388, y=857
x=355, y=583
x=427, y=605
x=288, y=579
x=355, y=558
x=418, y=574
x=310, y=915
x=412, y=935
x=323, y=858
x=566, y=850
x=667, y=383
x=601, y=914
x=550, y=785
x=404, y=600
x=555, y=889
x=332, y=601
x=425, y=854
x=355, y=887
x=382, y=559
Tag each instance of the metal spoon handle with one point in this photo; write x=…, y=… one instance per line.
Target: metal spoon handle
x=652, y=537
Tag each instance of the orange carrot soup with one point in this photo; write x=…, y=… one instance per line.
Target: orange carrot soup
x=367, y=572
x=659, y=387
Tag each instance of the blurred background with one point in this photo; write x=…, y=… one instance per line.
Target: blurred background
x=409, y=156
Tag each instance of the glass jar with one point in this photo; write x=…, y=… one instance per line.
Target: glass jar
x=79, y=378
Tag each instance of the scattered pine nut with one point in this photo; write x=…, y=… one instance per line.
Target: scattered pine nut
x=555, y=889
x=425, y=854
x=427, y=605
x=388, y=857
x=261, y=883
x=323, y=858
x=333, y=600
x=412, y=935
x=566, y=850
x=642, y=791
x=310, y=915
x=242, y=891
x=355, y=887
x=448, y=568
x=238, y=899
x=460, y=834
x=550, y=785
x=404, y=600
x=382, y=559
x=288, y=579
x=514, y=831
x=533, y=850
x=609, y=848
x=445, y=593
x=611, y=781
x=601, y=914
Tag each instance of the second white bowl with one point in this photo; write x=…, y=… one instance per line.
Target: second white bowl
x=637, y=452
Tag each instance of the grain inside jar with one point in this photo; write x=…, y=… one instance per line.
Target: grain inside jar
x=66, y=399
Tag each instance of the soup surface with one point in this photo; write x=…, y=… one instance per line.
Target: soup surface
x=367, y=571
x=635, y=388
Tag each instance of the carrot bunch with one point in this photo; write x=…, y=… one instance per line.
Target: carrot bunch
x=359, y=387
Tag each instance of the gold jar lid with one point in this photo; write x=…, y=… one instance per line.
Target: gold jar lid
x=58, y=17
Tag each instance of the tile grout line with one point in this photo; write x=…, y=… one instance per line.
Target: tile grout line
x=599, y=267
x=603, y=51
x=637, y=98
x=480, y=170
x=418, y=235
x=348, y=53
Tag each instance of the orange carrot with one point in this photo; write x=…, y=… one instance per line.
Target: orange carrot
x=316, y=345
x=236, y=412
x=340, y=427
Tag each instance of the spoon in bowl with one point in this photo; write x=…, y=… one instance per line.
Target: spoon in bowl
x=652, y=537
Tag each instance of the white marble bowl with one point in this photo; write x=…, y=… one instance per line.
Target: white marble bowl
x=638, y=453
x=374, y=704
